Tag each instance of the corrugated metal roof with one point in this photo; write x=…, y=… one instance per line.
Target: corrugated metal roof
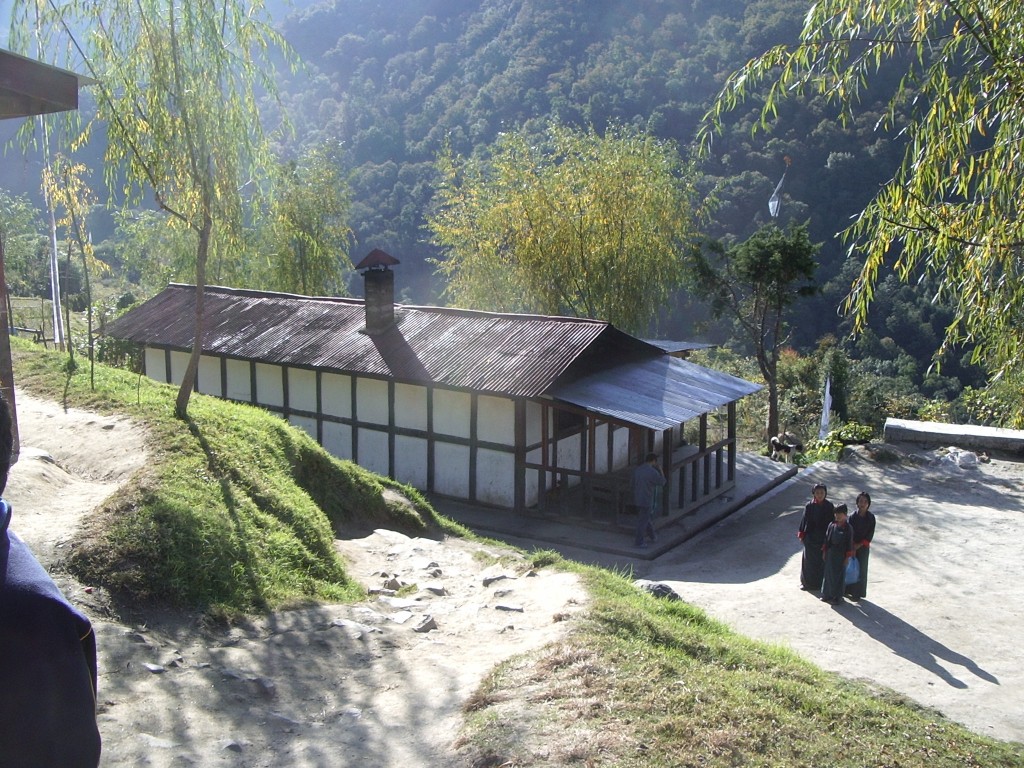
x=657, y=393
x=588, y=363
x=517, y=355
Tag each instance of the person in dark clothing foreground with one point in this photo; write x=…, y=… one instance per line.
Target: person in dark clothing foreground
x=815, y=521
x=47, y=656
x=835, y=552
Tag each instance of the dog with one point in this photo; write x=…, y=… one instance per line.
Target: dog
x=785, y=446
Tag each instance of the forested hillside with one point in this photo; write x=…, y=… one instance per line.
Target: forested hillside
x=393, y=82
x=390, y=83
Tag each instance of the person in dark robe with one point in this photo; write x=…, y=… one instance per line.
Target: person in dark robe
x=863, y=524
x=837, y=549
x=47, y=656
x=815, y=521
x=645, y=482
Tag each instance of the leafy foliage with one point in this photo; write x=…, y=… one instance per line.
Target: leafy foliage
x=951, y=210
x=579, y=224
x=753, y=283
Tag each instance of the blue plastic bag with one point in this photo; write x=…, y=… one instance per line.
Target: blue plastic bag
x=852, y=571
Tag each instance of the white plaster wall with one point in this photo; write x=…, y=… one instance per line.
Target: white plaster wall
x=179, y=362
x=154, y=362
x=302, y=390
x=304, y=423
x=239, y=383
x=569, y=457
x=338, y=439
x=533, y=423
x=531, y=486
x=451, y=470
x=371, y=404
x=269, y=387
x=411, y=461
x=494, y=477
x=336, y=394
x=495, y=420
x=601, y=447
x=209, y=375
x=411, y=407
x=451, y=412
x=373, y=451
x=620, y=439
x=569, y=452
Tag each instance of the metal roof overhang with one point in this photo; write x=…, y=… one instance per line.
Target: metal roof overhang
x=659, y=393
x=29, y=87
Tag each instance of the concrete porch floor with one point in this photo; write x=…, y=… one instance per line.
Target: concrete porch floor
x=607, y=544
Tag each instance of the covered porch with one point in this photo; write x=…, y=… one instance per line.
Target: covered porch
x=683, y=412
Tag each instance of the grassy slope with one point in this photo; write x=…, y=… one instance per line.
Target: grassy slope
x=651, y=682
x=237, y=510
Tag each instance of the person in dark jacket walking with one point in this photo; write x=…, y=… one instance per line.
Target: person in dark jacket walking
x=645, y=482
x=863, y=524
x=815, y=521
x=837, y=549
x=47, y=656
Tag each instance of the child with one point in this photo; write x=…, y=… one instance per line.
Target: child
x=816, y=520
x=837, y=549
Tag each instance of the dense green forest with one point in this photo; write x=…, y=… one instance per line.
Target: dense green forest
x=389, y=85
x=393, y=83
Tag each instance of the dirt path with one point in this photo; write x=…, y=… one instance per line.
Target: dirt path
x=941, y=623
x=326, y=686
x=358, y=685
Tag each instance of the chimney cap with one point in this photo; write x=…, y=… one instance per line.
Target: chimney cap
x=377, y=259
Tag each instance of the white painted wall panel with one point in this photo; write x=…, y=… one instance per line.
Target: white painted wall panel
x=621, y=440
x=338, y=439
x=451, y=412
x=569, y=457
x=533, y=423
x=209, y=375
x=336, y=394
x=155, y=367
x=411, y=461
x=372, y=402
x=239, y=381
x=373, y=451
x=411, y=407
x=495, y=420
x=494, y=478
x=179, y=362
x=302, y=390
x=451, y=470
x=269, y=387
x=304, y=423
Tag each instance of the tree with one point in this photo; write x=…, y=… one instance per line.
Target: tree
x=179, y=86
x=21, y=231
x=755, y=282
x=309, y=231
x=68, y=191
x=952, y=209
x=576, y=223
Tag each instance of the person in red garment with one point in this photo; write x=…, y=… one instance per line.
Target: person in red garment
x=47, y=656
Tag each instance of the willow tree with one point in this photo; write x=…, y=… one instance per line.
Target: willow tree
x=953, y=208
x=178, y=96
x=577, y=223
x=66, y=187
x=308, y=228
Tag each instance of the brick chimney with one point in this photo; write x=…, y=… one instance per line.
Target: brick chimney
x=378, y=290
